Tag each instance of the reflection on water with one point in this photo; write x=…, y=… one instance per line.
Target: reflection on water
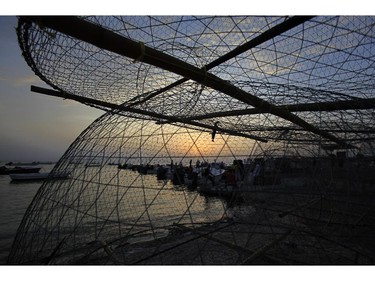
x=131, y=205
x=124, y=203
x=14, y=200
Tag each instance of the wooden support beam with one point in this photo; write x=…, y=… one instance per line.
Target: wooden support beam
x=112, y=106
x=111, y=41
x=353, y=104
x=265, y=36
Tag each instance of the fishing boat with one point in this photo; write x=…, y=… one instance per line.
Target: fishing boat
x=38, y=176
x=18, y=170
x=216, y=175
x=28, y=176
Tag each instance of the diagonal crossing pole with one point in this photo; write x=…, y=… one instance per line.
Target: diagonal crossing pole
x=111, y=41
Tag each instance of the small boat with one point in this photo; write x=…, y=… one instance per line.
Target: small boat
x=28, y=176
x=38, y=176
x=216, y=175
x=18, y=170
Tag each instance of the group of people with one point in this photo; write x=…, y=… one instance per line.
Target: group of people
x=215, y=172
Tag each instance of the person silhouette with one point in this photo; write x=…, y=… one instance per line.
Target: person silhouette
x=214, y=130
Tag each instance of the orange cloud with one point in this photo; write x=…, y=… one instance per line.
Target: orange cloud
x=26, y=80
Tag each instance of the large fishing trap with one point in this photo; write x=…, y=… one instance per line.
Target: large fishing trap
x=226, y=140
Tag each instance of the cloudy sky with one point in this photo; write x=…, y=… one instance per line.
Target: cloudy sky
x=33, y=127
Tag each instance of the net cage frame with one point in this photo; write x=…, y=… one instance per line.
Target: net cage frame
x=286, y=92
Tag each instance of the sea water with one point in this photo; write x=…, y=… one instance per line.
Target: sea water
x=15, y=197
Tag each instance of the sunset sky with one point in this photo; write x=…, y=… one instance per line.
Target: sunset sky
x=35, y=127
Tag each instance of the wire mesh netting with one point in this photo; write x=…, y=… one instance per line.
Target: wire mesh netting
x=228, y=140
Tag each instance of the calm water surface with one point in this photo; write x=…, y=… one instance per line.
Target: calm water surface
x=16, y=197
x=14, y=200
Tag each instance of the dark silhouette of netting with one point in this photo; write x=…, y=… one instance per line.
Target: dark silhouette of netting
x=304, y=94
